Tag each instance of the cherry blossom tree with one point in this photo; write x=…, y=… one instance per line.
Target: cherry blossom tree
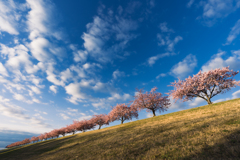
x=84, y=125
x=122, y=112
x=205, y=85
x=34, y=139
x=41, y=137
x=46, y=135
x=100, y=120
x=54, y=133
x=25, y=141
x=62, y=131
x=150, y=101
x=72, y=128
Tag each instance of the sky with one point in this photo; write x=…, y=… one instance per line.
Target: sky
x=68, y=60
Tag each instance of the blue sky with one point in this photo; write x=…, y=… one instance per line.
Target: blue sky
x=67, y=60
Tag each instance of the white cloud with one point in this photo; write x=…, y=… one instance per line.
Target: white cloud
x=73, y=89
x=152, y=60
x=196, y=102
x=217, y=62
x=117, y=74
x=51, y=77
x=65, y=117
x=35, y=89
x=236, y=94
x=149, y=115
x=80, y=56
x=79, y=70
x=3, y=70
x=36, y=100
x=168, y=42
x=66, y=75
x=117, y=96
x=17, y=57
x=219, y=100
x=214, y=9
x=164, y=28
x=2, y=99
x=183, y=68
x=177, y=105
x=37, y=18
x=37, y=49
x=189, y=4
x=8, y=17
x=235, y=31
x=99, y=104
x=104, y=30
x=161, y=75
x=84, y=117
x=72, y=110
x=19, y=97
x=53, y=88
x=17, y=113
x=92, y=44
x=104, y=87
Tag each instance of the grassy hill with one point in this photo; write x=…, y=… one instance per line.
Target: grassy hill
x=207, y=132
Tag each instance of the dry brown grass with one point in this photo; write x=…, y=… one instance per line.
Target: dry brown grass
x=207, y=132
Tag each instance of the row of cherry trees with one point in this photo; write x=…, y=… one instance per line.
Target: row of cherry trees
x=204, y=85
x=151, y=101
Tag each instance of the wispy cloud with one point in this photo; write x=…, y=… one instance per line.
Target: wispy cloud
x=215, y=9
x=217, y=62
x=184, y=67
x=164, y=37
x=236, y=94
x=65, y=117
x=189, y=4
x=164, y=28
x=17, y=112
x=166, y=41
x=9, y=17
x=117, y=74
x=103, y=29
x=152, y=60
x=53, y=88
x=235, y=31
x=161, y=75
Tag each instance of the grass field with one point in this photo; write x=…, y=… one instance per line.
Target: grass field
x=207, y=132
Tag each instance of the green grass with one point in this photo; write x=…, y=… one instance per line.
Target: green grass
x=207, y=132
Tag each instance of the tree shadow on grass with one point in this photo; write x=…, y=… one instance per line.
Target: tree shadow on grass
x=229, y=148
x=28, y=151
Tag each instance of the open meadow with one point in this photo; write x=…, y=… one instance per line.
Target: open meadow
x=206, y=132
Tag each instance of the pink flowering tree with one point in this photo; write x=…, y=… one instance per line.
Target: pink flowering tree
x=54, y=133
x=72, y=128
x=205, y=85
x=122, y=112
x=100, y=120
x=84, y=125
x=34, y=139
x=151, y=101
x=41, y=137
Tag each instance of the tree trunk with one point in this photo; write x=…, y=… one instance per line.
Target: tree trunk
x=99, y=126
x=122, y=120
x=209, y=101
x=153, y=113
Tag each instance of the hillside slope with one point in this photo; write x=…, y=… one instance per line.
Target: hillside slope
x=207, y=132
